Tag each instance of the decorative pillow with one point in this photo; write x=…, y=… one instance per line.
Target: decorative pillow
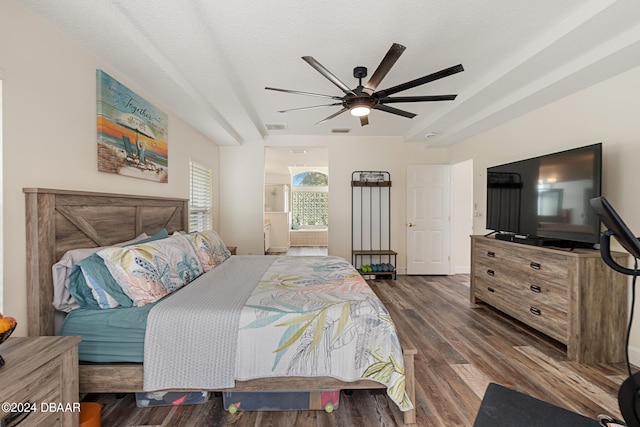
x=203, y=249
x=80, y=291
x=63, y=300
x=92, y=285
x=209, y=247
x=150, y=271
x=218, y=248
x=162, y=234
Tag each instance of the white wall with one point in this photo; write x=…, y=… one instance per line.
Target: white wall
x=461, y=216
x=276, y=178
x=49, y=108
x=607, y=112
x=242, y=197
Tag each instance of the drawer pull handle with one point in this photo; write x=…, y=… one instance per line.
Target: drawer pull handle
x=535, y=266
x=490, y=289
x=535, y=311
x=491, y=272
x=491, y=254
x=16, y=418
x=535, y=288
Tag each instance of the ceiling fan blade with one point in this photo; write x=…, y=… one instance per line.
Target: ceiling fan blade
x=364, y=120
x=333, y=115
x=310, y=108
x=322, y=70
x=297, y=92
x=387, y=62
x=427, y=98
x=393, y=110
x=422, y=80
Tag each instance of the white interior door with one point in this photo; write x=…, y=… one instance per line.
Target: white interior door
x=428, y=219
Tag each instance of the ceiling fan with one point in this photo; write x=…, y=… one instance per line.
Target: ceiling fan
x=361, y=100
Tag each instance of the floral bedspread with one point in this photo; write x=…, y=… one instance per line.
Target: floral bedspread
x=316, y=316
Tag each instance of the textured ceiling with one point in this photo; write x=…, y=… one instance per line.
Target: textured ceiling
x=209, y=61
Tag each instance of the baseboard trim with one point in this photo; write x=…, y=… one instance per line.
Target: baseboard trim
x=278, y=249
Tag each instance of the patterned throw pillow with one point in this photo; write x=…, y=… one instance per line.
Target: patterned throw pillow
x=218, y=248
x=209, y=247
x=150, y=271
x=92, y=285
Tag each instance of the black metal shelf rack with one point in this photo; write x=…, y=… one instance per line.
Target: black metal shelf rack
x=371, y=224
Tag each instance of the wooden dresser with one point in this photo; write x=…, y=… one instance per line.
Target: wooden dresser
x=569, y=295
x=42, y=371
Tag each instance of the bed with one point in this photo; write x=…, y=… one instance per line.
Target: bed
x=61, y=220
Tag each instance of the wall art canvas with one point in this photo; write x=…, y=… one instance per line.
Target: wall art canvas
x=132, y=133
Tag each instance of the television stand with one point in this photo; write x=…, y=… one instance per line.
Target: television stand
x=568, y=295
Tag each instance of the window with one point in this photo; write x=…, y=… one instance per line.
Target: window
x=310, y=199
x=200, y=195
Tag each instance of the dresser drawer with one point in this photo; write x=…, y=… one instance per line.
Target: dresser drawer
x=526, y=287
x=535, y=310
x=524, y=261
x=38, y=387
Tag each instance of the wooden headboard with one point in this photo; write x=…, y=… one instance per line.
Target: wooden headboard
x=60, y=220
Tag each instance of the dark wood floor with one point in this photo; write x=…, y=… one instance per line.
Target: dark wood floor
x=461, y=348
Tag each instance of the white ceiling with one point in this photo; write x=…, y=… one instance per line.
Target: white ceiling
x=209, y=61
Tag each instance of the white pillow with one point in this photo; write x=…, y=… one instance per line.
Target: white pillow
x=62, y=299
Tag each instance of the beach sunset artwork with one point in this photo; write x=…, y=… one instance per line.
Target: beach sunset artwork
x=132, y=133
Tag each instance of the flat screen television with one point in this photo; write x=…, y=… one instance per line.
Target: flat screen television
x=545, y=200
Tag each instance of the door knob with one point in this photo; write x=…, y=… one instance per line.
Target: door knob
x=410, y=225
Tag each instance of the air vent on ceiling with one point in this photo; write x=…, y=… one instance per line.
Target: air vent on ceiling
x=340, y=130
x=276, y=126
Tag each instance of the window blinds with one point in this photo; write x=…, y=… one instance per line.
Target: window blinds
x=200, y=198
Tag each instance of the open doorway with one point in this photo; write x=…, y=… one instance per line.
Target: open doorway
x=296, y=200
x=310, y=211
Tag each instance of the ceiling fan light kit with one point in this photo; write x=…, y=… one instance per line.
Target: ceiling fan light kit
x=360, y=111
x=361, y=100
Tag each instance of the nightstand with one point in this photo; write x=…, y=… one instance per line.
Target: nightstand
x=42, y=371
x=232, y=249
